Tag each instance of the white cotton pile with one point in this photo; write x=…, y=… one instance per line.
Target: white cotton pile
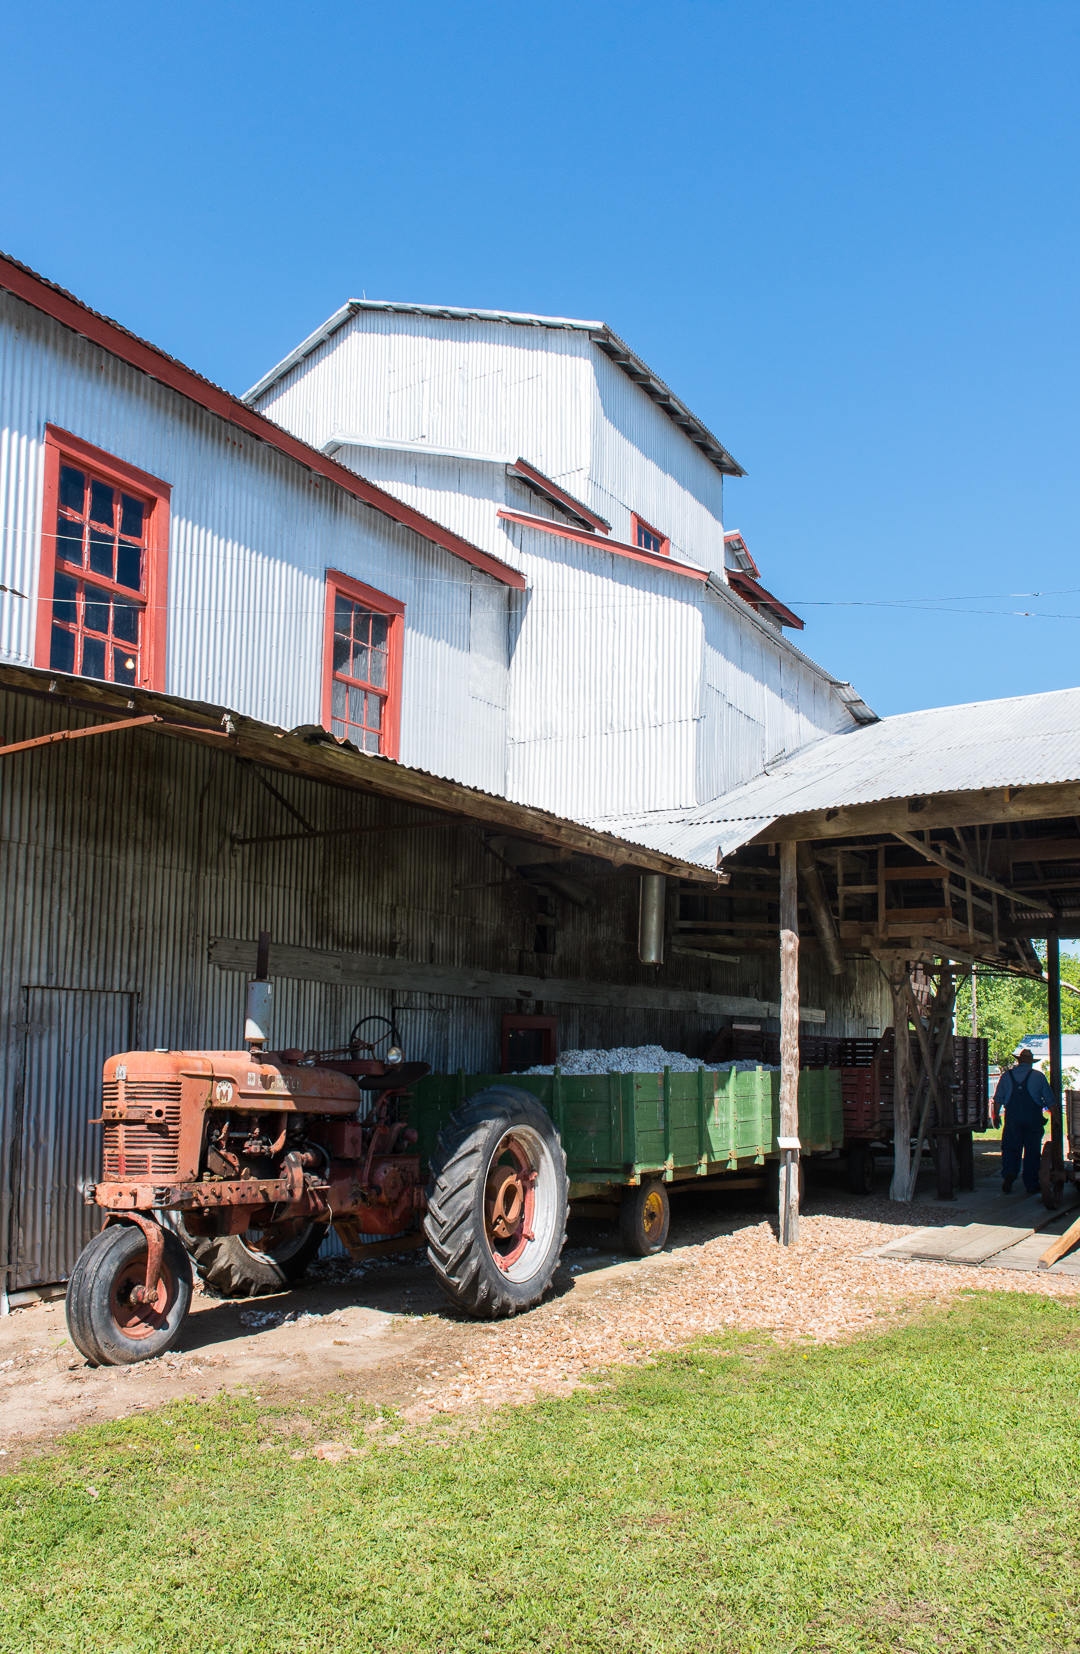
x=634, y=1059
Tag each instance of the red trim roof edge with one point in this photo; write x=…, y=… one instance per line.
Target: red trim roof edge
x=738, y=579
x=655, y=560
x=71, y=312
x=561, y=497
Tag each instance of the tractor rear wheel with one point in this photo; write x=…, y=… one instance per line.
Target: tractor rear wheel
x=498, y=1201
x=105, y=1322
x=259, y=1260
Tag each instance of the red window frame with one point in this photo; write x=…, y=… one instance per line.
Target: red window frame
x=345, y=586
x=639, y=526
x=62, y=448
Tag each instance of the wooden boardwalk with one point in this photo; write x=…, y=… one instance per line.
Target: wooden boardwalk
x=1006, y=1232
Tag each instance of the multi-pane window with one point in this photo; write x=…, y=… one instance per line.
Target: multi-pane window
x=99, y=602
x=649, y=539
x=361, y=673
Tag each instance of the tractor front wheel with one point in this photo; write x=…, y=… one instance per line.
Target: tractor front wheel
x=260, y=1260
x=498, y=1201
x=105, y=1320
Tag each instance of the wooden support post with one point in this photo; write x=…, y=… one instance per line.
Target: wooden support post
x=789, y=1043
x=898, y=1189
x=1053, y=1006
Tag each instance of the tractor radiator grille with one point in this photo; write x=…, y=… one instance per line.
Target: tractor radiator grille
x=143, y=1148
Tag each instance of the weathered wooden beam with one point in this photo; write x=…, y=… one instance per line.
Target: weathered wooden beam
x=821, y=914
x=375, y=970
x=789, y=1045
x=979, y=807
x=961, y=869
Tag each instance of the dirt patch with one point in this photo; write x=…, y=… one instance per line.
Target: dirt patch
x=385, y=1335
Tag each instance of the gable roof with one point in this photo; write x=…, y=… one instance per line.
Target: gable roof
x=600, y=334
x=71, y=312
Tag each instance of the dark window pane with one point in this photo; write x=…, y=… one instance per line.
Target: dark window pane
x=338, y=727
x=361, y=625
x=128, y=566
x=356, y=706
x=360, y=662
x=65, y=590
x=72, y=488
x=374, y=711
x=131, y=515
x=342, y=614
x=371, y=743
x=124, y=666
x=93, y=657
x=69, y=540
x=380, y=626
x=62, y=651
x=337, y=703
x=101, y=553
x=377, y=668
x=96, y=615
x=125, y=621
x=341, y=653
x=102, y=502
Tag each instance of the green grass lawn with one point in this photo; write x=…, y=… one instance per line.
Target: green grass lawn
x=914, y=1490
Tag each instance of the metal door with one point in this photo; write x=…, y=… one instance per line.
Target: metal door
x=67, y=1035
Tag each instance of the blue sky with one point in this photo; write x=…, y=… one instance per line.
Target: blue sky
x=847, y=235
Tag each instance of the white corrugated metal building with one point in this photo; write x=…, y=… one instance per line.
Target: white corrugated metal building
x=639, y=678
x=162, y=537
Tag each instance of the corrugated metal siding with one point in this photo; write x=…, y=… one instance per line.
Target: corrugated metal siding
x=1026, y=741
x=631, y=690
x=118, y=868
x=252, y=535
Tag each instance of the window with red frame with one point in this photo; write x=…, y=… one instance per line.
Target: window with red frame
x=363, y=688
x=96, y=620
x=649, y=538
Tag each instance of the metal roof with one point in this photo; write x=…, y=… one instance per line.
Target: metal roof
x=312, y=751
x=65, y=308
x=599, y=332
x=1026, y=741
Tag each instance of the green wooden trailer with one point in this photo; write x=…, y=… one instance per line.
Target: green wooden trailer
x=618, y=1129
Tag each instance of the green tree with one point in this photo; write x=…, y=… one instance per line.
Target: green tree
x=1010, y=1007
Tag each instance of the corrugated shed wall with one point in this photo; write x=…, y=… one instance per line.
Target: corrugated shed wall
x=760, y=700
x=118, y=868
x=251, y=537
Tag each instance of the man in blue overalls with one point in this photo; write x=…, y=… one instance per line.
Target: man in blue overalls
x=1024, y=1095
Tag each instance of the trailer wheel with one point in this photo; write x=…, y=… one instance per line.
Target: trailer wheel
x=105, y=1324
x=498, y=1200
x=258, y=1261
x=645, y=1218
x=1051, y=1188
x=860, y=1169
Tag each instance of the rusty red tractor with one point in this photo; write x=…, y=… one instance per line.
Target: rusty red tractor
x=253, y=1154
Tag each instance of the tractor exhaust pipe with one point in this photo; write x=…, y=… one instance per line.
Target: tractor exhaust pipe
x=260, y=996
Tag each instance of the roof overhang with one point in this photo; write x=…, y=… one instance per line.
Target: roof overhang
x=598, y=332
x=757, y=595
x=312, y=752
x=70, y=312
x=602, y=542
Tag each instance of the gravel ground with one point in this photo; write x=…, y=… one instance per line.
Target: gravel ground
x=825, y=1290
